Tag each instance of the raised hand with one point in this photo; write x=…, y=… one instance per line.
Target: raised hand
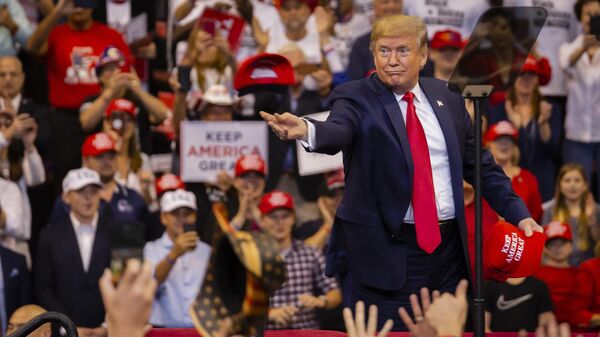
x=448, y=313
x=357, y=328
x=286, y=126
x=420, y=327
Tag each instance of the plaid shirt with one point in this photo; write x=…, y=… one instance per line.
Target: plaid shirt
x=305, y=268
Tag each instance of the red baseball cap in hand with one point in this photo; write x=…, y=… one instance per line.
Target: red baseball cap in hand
x=264, y=72
x=97, y=144
x=508, y=253
x=275, y=200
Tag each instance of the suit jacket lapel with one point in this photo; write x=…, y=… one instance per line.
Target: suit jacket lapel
x=440, y=108
x=71, y=244
x=392, y=109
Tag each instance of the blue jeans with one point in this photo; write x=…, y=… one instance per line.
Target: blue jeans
x=585, y=154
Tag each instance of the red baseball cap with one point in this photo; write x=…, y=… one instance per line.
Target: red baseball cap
x=168, y=182
x=250, y=163
x=121, y=105
x=266, y=72
x=502, y=128
x=558, y=230
x=540, y=67
x=508, y=253
x=275, y=200
x=97, y=144
x=447, y=39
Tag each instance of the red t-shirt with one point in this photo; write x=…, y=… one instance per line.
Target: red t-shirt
x=525, y=185
x=70, y=62
x=567, y=287
x=587, y=306
x=489, y=218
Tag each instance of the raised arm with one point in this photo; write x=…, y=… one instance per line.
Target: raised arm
x=38, y=41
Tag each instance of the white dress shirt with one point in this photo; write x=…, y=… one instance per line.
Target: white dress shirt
x=85, y=233
x=582, y=123
x=438, y=154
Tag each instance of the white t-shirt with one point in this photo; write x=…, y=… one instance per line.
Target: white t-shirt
x=458, y=15
x=310, y=44
x=561, y=27
x=346, y=33
x=118, y=15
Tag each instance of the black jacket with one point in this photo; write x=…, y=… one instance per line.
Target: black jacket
x=17, y=280
x=61, y=284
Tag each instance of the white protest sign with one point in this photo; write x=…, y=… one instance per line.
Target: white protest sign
x=206, y=148
x=313, y=163
x=137, y=28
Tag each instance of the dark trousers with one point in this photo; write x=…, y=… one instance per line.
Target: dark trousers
x=442, y=270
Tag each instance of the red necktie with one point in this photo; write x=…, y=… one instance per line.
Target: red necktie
x=423, y=197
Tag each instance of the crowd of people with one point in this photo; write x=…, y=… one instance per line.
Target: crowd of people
x=89, y=110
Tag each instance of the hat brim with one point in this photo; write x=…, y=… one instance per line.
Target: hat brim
x=243, y=173
x=79, y=187
x=177, y=206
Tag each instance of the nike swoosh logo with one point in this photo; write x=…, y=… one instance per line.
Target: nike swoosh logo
x=503, y=304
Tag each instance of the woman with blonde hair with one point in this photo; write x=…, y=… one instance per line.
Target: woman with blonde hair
x=574, y=204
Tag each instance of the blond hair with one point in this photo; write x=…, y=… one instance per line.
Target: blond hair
x=398, y=25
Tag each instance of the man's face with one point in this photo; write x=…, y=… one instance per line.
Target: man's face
x=445, y=59
x=122, y=123
x=85, y=201
x=251, y=182
x=217, y=113
x=589, y=10
x=175, y=220
x=107, y=72
x=383, y=8
x=558, y=250
x=20, y=317
x=81, y=16
x=279, y=223
x=105, y=164
x=294, y=14
x=11, y=76
x=398, y=60
x=503, y=148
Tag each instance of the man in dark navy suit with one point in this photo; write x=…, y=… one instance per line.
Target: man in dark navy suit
x=407, y=145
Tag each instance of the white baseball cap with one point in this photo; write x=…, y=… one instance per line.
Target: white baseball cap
x=80, y=178
x=173, y=200
x=216, y=94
